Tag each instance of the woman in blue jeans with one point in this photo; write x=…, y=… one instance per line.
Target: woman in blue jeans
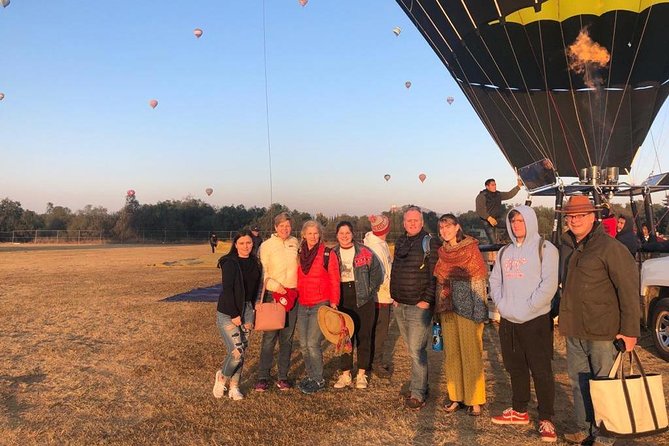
x=241, y=273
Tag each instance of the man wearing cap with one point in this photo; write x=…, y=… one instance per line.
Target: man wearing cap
x=376, y=241
x=489, y=206
x=257, y=240
x=412, y=287
x=278, y=256
x=599, y=304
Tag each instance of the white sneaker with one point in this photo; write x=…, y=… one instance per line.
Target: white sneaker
x=219, y=385
x=235, y=394
x=361, y=382
x=344, y=380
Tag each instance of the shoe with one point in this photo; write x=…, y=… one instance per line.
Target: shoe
x=414, y=404
x=219, y=385
x=603, y=441
x=577, y=437
x=474, y=413
x=361, y=382
x=547, y=431
x=452, y=406
x=313, y=386
x=284, y=384
x=262, y=385
x=384, y=372
x=344, y=380
x=235, y=394
x=510, y=416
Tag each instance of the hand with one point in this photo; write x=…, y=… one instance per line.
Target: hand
x=237, y=321
x=248, y=326
x=281, y=290
x=423, y=305
x=520, y=182
x=629, y=342
x=492, y=221
x=333, y=306
x=395, y=303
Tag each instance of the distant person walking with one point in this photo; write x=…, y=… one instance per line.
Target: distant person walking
x=240, y=274
x=213, y=242
x=257, y=239
x=489, y=207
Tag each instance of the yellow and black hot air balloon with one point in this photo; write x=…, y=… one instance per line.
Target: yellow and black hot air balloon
x=578, y=82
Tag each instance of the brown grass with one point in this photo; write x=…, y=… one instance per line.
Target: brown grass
x=89, y=354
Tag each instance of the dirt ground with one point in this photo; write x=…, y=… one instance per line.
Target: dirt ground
x=90, y=354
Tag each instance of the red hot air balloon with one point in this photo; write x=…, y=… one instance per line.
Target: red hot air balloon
x=407, y=84
x=153, y=103
x=386, y=176
x=197, y=32
x=422, y=177
x=131, y=192
x=303, y=2
x=209, y=191
x=450, y=100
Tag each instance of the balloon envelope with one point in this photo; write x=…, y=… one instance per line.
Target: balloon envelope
x=386, y=177
x=303, y=2
x=209, y=191
x=5, y=3
x=397, y=30
x=131, y=192
x=450, y=100
x=197, y=32
x=407, y=84
x=422, y=177
x=153, y=103
x=2, y=96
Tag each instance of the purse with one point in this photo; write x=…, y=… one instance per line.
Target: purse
x=269, y=316
x=629, y=406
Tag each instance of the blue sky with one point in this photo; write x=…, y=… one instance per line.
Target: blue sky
x=76, y=127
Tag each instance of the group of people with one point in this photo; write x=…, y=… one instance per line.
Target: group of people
x=441, y=278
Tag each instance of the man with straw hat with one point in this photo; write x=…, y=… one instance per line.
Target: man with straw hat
x=599, y=304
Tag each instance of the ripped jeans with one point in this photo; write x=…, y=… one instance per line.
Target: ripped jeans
x=236, y=342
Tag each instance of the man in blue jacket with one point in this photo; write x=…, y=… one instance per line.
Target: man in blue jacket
x=522, y=284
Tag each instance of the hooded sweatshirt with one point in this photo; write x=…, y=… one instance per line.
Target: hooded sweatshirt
x=521, y=285
x=382, y=251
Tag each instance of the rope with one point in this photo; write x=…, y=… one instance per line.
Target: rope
x=269, y=141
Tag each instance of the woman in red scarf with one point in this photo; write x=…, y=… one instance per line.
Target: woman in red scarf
x=460, y=303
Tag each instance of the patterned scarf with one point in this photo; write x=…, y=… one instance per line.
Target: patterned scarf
x=307, y=256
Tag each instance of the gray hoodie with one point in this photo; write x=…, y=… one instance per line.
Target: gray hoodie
x=528, y=284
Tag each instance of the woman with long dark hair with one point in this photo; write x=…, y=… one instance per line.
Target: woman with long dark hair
x=240, y=271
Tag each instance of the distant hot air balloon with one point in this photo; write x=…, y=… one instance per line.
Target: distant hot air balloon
x=2, y=96
x=422, y=177
x=197, y=32
x=450, y=100
x=407, y=84
x=209, y=191
x=386, y=176
x=5, y=3
x=303, y=2
x=153, y=103
x=397, y=30
x=131, y=192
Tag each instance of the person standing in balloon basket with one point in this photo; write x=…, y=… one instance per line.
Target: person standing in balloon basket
x=489, y=207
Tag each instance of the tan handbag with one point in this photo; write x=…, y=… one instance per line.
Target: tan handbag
x=629, y=406
x=269, y=316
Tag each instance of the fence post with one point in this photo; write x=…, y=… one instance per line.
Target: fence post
x=12, y=236
x=57, y=236
x=79, y=237
x=35, y=240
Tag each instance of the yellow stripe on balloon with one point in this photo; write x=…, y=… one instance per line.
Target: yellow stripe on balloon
x=561, y=10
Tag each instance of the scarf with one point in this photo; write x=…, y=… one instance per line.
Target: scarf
x=307, y=256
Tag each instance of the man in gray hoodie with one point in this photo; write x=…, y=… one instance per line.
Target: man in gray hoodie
x=522, y=284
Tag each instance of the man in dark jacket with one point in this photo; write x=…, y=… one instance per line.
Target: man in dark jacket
x=625, y=234
x=489, y=206
x=412, y=287
x=257, y=239
x=600, y=303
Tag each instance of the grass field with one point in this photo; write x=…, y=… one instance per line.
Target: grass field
x=90, y=354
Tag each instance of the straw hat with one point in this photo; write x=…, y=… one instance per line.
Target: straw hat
x=330, y=325
x=578, y=204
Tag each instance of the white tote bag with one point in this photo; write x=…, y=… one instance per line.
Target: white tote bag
x=629, y=406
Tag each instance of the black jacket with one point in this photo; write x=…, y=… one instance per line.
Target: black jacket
x=409, y=283
x=627, y=237
x=235, y=291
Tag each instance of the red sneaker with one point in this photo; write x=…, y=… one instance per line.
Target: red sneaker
x=547, y=431
x=510, y=416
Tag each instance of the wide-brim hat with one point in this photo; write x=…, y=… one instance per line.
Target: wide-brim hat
x=578, y=204
x=330, y=323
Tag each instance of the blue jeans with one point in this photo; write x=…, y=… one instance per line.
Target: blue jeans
x=415, y=328
x=285, y=338
x=585, y=360
x=311, y=339
x=236, y=340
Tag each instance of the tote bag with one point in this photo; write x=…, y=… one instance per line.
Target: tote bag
x=269, y=316
x=629, y=406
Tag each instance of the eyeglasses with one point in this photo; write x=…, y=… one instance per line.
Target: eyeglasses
x=576, y=217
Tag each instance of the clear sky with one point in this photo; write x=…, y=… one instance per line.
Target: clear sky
x=76, y=127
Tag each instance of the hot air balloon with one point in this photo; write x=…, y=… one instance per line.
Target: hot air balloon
x=450, y=100
x=209, y=191
x=407, y=84
x=579, y=83
x=4, y=3
x=303, y=2
x=131, y=192
x=153, y=103
x=2, y=96
x=397, y=30
x=422, y=177
x=386, y=176
x=197, y=32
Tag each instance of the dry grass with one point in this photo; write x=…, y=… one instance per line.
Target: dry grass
x=89, y=354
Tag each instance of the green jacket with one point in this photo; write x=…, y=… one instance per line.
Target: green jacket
x=600, y=288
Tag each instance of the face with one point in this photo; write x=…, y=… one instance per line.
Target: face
x=580, y=224
x=413, y=222
x=283, y=229
x=620, y=225
x=244, y=246
x=345, y=237
x=644, y=229
x=312, y=236
x=492, y=186
x=518, y=227
x=448, y=231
